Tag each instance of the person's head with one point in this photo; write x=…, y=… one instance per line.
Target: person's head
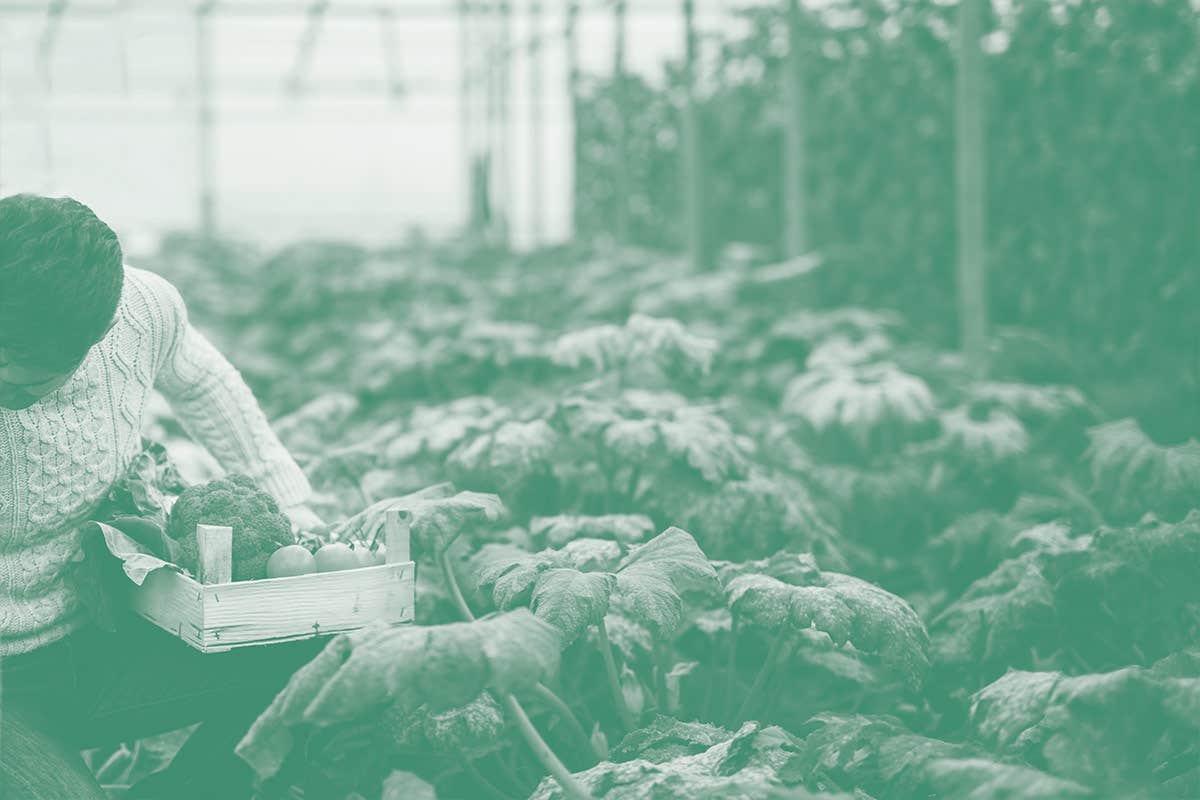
x=61, y=274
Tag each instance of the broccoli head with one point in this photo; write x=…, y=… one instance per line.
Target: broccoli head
x=235, y=501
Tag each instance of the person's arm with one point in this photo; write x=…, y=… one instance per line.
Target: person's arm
x=218, y=410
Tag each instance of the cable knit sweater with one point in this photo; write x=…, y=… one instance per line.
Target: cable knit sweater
x=59, y=457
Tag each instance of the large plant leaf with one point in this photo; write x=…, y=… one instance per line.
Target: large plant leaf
x=1065, y=723
x=880, y=756
x=559, y=530
x=844, y=607
x=743, y=765
x=653, y=575
x=1132, y=475
x=571, y=600
x=506, y=457
x=869, y=407
x=442, y=667
x=647, y=582
x=1118, y=596
x=644, y=341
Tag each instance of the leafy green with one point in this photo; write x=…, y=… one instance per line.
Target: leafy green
x=441, y=667
x=558, y=530
x=1132, y=475
x=1117, y=596
x=848, y=609
x=474, y=728
x=879, y=755
x=662, y=344
x=1064, y=724
x=646, y=584
x=865, y=407
x=506, y=457
x=743, y=764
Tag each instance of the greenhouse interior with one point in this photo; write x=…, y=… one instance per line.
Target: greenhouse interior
x=672, y=399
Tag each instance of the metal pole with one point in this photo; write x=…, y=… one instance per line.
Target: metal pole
x=504, y=149
x=315, y=13
x=795, y=167
x=466, y=144
x=205, y=150
x=537, y=139
x=692, y=165
x=571, y=34
x=970, y=184
x=620, y=134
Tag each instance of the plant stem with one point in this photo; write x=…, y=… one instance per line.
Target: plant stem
x=760, y=680
x=549, y=761
x=452, y=582
x=551, y=698
x=635, y=478
x=731, y=671
x=484, y=783
x=548, y=695
x=661, y=668
x=614, y=679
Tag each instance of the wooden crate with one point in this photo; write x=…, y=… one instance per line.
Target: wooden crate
x=218, y=615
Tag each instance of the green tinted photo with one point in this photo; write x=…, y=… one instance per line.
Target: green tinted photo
x=600, y=400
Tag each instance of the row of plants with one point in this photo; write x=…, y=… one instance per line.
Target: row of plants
x=683, y=535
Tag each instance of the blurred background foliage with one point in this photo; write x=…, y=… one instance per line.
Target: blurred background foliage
x=1093, y=197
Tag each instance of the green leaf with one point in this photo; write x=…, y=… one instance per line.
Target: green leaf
x=441, y=666
x=758, y=514
x=743, y=765
x=1132, y=475
x=505, y=457
x=651, y=578
x=868, y=406
x=667, y=738
x=844, y=607
x=1065, y=723
x=571, y=600
x=406, y=786
x=880, y=756
x=435, y=522
x=559, y=530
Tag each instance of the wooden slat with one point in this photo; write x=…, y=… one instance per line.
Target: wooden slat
x=173, y=602
x=214, y=548
x=275, y=609
x=398, y=535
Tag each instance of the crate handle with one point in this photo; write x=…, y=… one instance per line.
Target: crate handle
x=397, y=523
x=214, y=547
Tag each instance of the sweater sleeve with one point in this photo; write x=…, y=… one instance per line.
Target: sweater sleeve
x=217, y=408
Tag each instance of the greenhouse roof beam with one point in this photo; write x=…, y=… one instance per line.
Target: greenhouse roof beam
x=294, y=83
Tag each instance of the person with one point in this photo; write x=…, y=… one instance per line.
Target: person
x=84, y=339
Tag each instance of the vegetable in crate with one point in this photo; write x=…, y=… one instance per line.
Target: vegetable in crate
x=259, y=528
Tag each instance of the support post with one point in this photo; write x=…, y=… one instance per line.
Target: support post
x=571, y=36
x=970, y=184
x=795, y=156
x=504, y=152
x=205, y=149
x=393, y=61
x=294, y=83
x=537, y=138
x=693, y=179
x=465, y=118
x=621, y=133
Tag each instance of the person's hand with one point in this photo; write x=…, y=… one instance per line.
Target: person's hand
x=303, y=518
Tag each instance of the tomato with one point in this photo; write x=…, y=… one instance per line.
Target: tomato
x=292, y=559
x=368, y=558
x=337, y=556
